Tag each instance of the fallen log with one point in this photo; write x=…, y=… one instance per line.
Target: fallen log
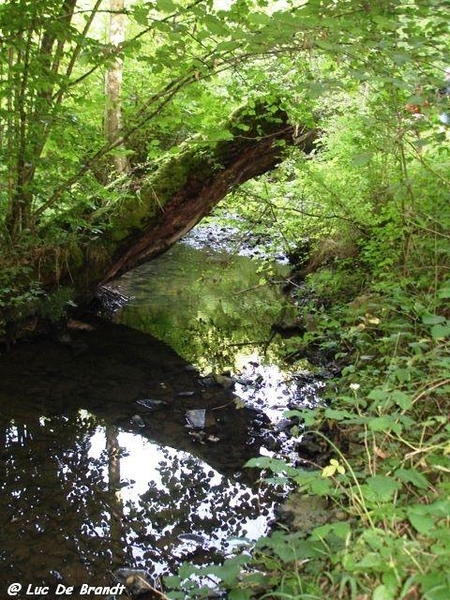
x=184, y=189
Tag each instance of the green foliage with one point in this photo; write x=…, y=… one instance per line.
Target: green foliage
x=378, y=182
x=371, y=202
x=55, y=305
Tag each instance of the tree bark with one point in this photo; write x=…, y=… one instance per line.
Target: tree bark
x=185, y=188
x=113, y=86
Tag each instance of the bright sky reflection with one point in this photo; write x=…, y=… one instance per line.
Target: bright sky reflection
x=194, y=498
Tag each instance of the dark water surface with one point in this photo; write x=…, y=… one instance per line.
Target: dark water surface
x=92, y=480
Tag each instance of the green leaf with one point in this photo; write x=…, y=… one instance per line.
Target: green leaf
x=166, y=6
x=412, y=476
x=439, y=332
x=328, y=471
x=332, y=468
x=402, y=400
x=292, y=546
x=385, y=423
x=402, y=375
x=186, y=570
x=435, y=585
x=321, y=487
x=172, y=581
x=382, y=592
x=371, y=560
x=227, y=46
x=273, y=464
x=326, y=45
x=440, y=508
x=215, y=26
x=444, y=291
x=140, y=15
x=172, y=595
x=338, y=415
x=421, y=522
x=340, y=529
x=308, y=417
x=383, y=487
x=230, y=569
x=258, y=18
x=378, y=394
x=432, y=319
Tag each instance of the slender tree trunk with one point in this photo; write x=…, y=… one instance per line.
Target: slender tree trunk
x=113, y=86
x=39, y=52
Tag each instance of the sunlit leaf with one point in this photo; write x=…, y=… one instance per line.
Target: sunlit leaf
x=382, y=592
x=439, y=332
x=166, y=6
x=412, y=476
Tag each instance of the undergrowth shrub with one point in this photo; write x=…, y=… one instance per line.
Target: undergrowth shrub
x=386, y=322
x=388, y=493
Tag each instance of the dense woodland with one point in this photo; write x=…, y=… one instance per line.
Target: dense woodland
x=323, y=124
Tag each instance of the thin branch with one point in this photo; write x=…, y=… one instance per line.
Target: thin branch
x=427, y=391
x=78, y=47
x=92, y=161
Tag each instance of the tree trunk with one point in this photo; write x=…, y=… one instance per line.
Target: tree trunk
x=184, y=189
x=159, y=209
x=113, y=86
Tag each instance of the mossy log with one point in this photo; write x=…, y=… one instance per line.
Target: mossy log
x=156, y=210
x=176, y=196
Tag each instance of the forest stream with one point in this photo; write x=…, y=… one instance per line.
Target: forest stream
x=123, y=447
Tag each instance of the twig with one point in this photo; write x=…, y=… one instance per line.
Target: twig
x=428, y=390
x=240, y=344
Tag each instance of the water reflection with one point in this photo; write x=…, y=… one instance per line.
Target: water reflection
x=212, y=308
x=94, y=479
x=80, y=499
x=84, y=491
x=198, y=509
x=216, y=311
x=52, y=498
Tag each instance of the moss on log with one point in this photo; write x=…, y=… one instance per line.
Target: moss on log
x=186, y=186
x=156, y=211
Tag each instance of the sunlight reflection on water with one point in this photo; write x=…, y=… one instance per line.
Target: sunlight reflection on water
x=195, y=496
x=85, y=490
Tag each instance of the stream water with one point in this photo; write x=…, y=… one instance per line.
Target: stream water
x=124, y=448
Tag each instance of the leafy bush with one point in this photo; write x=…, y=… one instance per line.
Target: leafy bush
x=383, y=317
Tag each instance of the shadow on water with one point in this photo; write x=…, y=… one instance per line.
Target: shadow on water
x=103, y=462
x=92, y=480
